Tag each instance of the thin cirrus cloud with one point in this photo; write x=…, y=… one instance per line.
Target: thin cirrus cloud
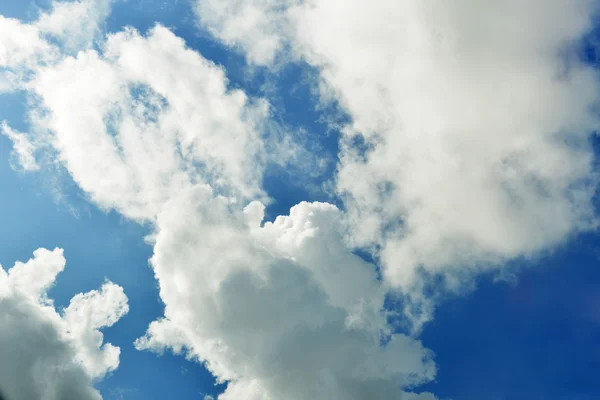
x=47, y=355
x=467, y=147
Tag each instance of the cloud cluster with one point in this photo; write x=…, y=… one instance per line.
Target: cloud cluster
x=468, y=142
x=158, y=116
x=282, y=310
x=46, y=355
x=146, y=119
x=467, y=146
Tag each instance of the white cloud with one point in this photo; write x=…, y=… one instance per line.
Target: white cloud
x=147, y=118
x=475, y=116
x=280, y=311
x=475, y=119
x=23, y=149
x=85, y=315
x=257, y=26
x=21, y=43
x=477, y=126
x=68, y=27
x=75, y=24
x=22, y=47
x=44, y=355
x=283, y=310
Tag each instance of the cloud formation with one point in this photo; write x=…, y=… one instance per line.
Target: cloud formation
x=467, y=147
x=23, y=149
x=468, y=142
x=159, y=118
x=46, y=355
x=149, y=128
x=66, y=28
x=282, y=310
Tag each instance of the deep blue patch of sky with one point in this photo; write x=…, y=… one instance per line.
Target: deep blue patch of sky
x=537, y=338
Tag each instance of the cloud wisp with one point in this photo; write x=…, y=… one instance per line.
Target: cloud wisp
x=149, y=128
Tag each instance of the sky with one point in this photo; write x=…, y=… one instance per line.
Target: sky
x=299, y=199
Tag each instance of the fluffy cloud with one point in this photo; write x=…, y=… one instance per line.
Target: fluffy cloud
x=468, y=143
x=43, y=354
x=158, y=115
x=144, y=126
x=279, y=311
x=476, y=125
x=21, y=48
x=66, y=27
x=145, y=119
x=20, y=43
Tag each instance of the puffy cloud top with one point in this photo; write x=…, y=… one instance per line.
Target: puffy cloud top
x=282, y=310
x=46, y=355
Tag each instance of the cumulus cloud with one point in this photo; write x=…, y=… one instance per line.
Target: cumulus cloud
x=75, y=24
x=22, y=47
x=86, y=314
x=477, y=131
x=46, y=355
x=282, y=310
x=159, y=118
x=149, y=128
x=468, y=144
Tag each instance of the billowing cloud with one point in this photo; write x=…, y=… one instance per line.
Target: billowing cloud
x=476, y=125
x=20, y=43
x=46, y=355
x=256, y=26
x=282, y=310
x=149, y=128
x=159, y=118
x=468, y=144
x=66, y=28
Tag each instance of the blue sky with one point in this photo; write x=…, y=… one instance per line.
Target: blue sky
x=533, y=334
